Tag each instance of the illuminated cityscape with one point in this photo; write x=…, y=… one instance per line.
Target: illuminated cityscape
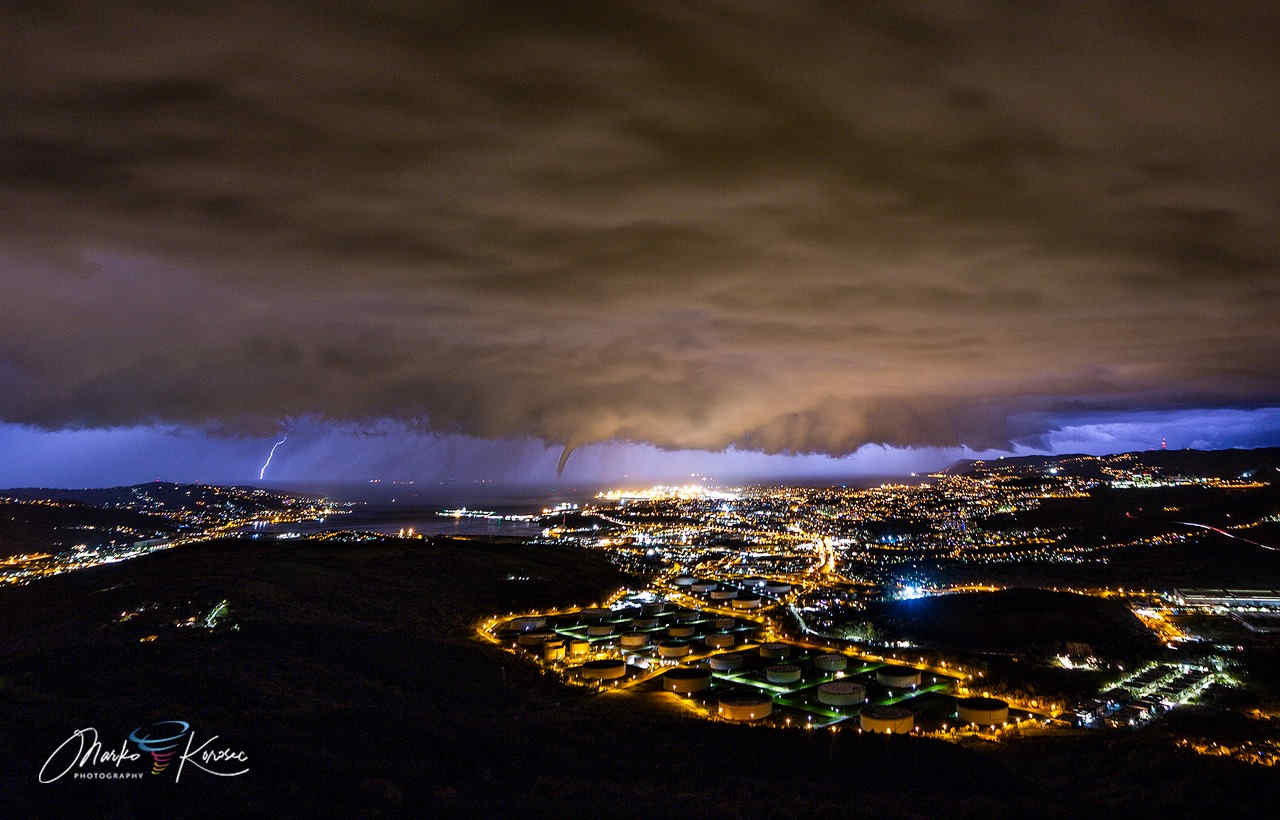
x=740, y=580
x=648, y=408
x=137, y=521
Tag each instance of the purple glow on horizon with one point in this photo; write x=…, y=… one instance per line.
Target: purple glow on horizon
x=388, y=450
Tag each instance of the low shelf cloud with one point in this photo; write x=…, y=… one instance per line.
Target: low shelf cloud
x=784, y=228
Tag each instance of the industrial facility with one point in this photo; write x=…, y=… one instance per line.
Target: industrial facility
x=887, y=719
x=685, y=680
x=983, y=711
x=674, y=649
x=603, y=670
x=783, y=673
x=842, y=693
x=719, y=640
x=831, y=663
x=774, y=650
x=898, y=677
x=745, y=706
x=719, y=663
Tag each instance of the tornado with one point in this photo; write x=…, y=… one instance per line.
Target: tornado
x=564, y=458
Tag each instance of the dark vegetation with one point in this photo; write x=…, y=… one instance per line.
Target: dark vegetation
x=1122, y=514
x=355, y=686
x=1207, y=560
x=1030, y=622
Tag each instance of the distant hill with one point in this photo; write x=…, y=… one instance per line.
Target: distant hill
x=1233, y=463
x=167, y=492
x=39, y=519
x=32, y=528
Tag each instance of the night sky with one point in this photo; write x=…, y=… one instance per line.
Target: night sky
x=450, y=241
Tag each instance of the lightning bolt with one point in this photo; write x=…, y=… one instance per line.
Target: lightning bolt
x=263, y=472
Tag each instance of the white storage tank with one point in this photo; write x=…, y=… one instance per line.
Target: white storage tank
x=728, y=662
x=983, y=711
x=774, y=650
x=684, y=680
x=673, y=649
x=745, y=707
x=719, y=640
x=783, y=673
x=634, y=640
x=898, y=677
x=841, y=693
x=831, y=663
x=887, y=719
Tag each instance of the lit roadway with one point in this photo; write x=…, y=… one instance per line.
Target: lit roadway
x=821, y=572
x=1227, y=534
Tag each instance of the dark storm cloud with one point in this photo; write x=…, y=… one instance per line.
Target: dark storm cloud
x=784, y=226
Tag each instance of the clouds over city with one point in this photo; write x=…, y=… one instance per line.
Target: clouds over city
x=773, y=226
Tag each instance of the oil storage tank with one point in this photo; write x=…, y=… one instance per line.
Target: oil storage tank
x=673, y=649
x=774, y=650
x=887, y=719
x=728, y=662
x=530, y=640
x=719, y=640
x=983, y=711
x=608, y=669
x=685, y=680
x=898, y=677
x=634, y=640
x=842, y=693
x=831, y=663
x=748, y=706
x=553, y=651
x=783, y=673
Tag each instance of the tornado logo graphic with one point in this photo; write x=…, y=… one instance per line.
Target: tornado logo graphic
x=161, y=740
